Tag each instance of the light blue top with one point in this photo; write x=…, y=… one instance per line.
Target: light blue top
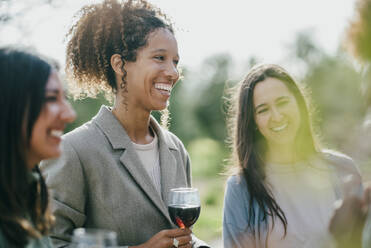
x=43, y=242
x=236, y=233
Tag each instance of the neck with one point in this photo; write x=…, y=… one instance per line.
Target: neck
x=135, y=122
x=281, y=154
x=32, y=162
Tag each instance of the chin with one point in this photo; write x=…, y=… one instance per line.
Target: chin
x=161, y=105
x=52, y=154
x=159, y=108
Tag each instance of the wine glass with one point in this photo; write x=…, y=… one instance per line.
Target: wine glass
x=94, y=238
x=184, y=206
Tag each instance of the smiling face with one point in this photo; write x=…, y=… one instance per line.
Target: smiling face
x=152, y=76
x=48, y=128
x=277, y=114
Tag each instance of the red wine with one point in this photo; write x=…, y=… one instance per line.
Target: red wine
x=184, y=215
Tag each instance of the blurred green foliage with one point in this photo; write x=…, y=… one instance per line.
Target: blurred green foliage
x=209, y=225
x=207, y=156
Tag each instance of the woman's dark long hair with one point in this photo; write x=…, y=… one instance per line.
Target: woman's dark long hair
x=249, y=145
x=23, y=195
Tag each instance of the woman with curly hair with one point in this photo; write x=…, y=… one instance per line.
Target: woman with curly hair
x=284, y=188
x=33, y=115
x=117, y=169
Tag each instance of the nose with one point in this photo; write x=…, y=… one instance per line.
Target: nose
x=276, y=115
x=172, y=72
x=68, y=115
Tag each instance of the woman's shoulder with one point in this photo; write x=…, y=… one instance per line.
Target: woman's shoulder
x=343, y=164
x=169, y=136
x=87, y=129
x=43, y=242
x=236, y=179
x=236, y=199
x=85, y=137
x=338, y=159
x=237, y=183
x=336, y=156
x=103, y=125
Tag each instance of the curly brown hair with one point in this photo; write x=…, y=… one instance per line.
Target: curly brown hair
x=101, y=31
x=359, y=32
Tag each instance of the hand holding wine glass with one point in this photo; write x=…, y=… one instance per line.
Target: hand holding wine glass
x=184, y=209
x=184, y=206
x=166, y=238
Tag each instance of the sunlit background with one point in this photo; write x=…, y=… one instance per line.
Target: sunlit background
x=218, y=42
x=265, y=29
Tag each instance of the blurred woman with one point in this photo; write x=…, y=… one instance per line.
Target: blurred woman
x=117, y=170
x=33, y=115
x=283, y=191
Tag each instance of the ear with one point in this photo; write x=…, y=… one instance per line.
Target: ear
x=116, y=64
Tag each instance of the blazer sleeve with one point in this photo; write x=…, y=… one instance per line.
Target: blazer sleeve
x=65, y=180
x=235, y=219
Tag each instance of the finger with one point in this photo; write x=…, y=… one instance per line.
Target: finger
x=183, y=240
x=171, y=233
x=176, y=232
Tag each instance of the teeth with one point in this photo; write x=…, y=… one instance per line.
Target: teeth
x=166, y=87
x=280, y=128
x=56, y=133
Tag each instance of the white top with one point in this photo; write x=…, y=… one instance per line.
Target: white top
x=149, y=156
x=305, y=193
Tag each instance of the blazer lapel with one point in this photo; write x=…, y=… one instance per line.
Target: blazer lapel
x=170, y=178
x=132, y=163
x=168, y=171
x=119, y=139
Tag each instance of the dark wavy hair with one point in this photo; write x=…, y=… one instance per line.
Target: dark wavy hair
x=249, y=145
x=23, y=195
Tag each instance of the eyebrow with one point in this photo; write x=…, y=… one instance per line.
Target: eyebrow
x=260, y=105
x=159, y=50
x=163, y=50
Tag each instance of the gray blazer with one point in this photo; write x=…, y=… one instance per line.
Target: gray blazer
x=100, y=182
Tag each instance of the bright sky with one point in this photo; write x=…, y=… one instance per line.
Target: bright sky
x=242, y=28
